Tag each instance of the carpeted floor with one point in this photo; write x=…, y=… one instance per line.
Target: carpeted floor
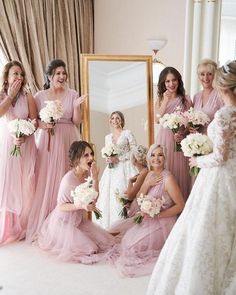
x=25, y=270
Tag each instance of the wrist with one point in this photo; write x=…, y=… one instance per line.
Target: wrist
x=10, y=98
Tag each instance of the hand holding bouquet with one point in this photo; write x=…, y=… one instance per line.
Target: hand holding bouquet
x=84, y=194
x=196, y=144
x=20, y=128
x=122, y=199
x=174, y=121
x=110, y=150
x=52, y=112
x=149, y=205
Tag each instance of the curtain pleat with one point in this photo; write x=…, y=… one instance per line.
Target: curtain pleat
x=36, y=31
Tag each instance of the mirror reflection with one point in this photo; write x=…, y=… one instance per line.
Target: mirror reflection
x=122, y=83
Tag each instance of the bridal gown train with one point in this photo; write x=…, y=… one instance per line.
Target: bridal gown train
x=199, y=257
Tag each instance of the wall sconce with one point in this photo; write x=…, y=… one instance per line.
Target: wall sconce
x=155, y=45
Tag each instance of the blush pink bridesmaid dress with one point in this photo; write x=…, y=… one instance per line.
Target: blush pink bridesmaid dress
x=140, y=247
x=51, y=164
x=17, y=177
x=69, y=235
x=176, y=162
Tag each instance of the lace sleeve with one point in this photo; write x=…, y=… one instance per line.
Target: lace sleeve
x=224, y=131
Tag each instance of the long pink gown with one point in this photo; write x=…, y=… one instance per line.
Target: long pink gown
x=214, y=103
x=176, y=162
x=17, y=177
x=140, y=247
x=53, y=164
x=69, y=234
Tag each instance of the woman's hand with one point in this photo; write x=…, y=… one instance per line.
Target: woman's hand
x=90, y=207
x=19, y=141
x=79, y=100
x=14, y=88
x=152, y=179
x=94, y=171
x=133, y=179
x=193, y=130
x=178, y=136
x=112, y=160
x=193, y=162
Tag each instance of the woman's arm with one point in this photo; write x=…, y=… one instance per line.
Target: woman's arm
x=134, y=186
x=160, y=106
x=150, y=180
x=77, y=111
x=33, y=112
x=5, y=103
x=225, y=125
x=174, y=192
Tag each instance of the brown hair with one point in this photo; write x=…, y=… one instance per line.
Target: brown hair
x=161, y=87
x=77, y=150
x=5, y=74
x=51, y=68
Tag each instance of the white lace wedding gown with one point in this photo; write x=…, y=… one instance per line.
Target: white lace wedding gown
x=115, y=178
x=199, y=257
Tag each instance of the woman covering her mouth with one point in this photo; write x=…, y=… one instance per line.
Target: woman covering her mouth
x=67, y=232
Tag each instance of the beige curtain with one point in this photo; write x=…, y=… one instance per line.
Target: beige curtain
x=36, y=31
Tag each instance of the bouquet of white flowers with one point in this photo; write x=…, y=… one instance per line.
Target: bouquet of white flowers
x=196, y=118
x=110, y=150
x=52, y=112
x=84, y=194
x=20, y=128
x=148, y=205
x=173, y=121
x=196, y=144
x=122, y=199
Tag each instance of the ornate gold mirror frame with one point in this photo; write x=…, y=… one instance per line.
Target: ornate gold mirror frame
x=99, y=71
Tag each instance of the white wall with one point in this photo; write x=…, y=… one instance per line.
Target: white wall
x=123, y=27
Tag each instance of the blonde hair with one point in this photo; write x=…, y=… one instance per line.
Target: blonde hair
x=139, y=154
x=208, y=64
x=226, y=77
x=150, y=151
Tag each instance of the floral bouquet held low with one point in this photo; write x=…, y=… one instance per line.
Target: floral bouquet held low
x=173, y=121
x=122, y=199
x=110, y=151
x=196, y=144
x=20, y=128
x=196, y=118
x=84, y=194
x=149, y=205
x=51, y=113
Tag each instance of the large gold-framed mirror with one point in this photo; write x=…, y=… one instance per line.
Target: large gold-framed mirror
x=117, y=82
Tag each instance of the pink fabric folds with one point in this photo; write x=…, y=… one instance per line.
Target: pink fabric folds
x=17, y=177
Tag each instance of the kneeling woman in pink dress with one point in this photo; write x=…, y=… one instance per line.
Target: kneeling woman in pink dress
x=139, y=249
x=67, y=232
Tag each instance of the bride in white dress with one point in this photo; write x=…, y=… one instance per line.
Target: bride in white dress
x=199, y=257
x=118, y=176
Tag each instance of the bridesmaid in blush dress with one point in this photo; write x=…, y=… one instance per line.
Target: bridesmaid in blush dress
x=207, y=100
x=171, y=95
x=140, y=247
x=17, y=174
x=52, y=163
x=67, y=233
